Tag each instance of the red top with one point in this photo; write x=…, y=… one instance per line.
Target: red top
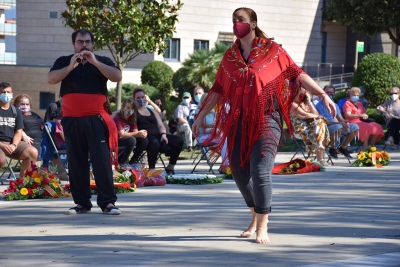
x=123, y=124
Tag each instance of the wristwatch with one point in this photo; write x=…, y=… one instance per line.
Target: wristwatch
x=14, y=145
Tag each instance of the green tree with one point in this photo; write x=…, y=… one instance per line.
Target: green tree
x=159, y=75
x=378, y=72
x=202, y=65
x=367, y=16
x=126, y=28
x=180, y=82
x=127, y=92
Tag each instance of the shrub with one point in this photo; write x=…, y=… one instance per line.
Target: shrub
x=159, y=75
x=127, y=90
x=378, y=72
x=180, y=81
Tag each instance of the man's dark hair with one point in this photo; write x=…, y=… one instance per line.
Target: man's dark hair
x=329, y=86
x=81, y=32
x=4, y=85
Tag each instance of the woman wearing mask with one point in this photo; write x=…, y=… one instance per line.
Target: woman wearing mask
x=254, y=87
x=391, y=111
x=157, y=138
x=162, y=113
x=355, y=112
x=33, y=123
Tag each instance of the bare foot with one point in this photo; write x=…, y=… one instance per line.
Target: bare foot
x=249, y=232
x=262, y=235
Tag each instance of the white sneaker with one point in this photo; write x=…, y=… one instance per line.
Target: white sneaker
x=389, y=141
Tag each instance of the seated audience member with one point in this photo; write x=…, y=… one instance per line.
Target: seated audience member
x=181, y=116
x=157, y=138
x=51, y=108
x=309, y=126
x=162, y=113
x=59, y=140
x=128, y=134
x=355, y=112
x=337, y=127
x=173, y=126
x=391, y=111
x=152, y=105
x=329, y=88
x=204, y=132
x=33, y=123
x=197, y=92
x=11, y=144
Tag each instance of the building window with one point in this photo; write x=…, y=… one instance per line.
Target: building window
x=53, y=14
x=226, y=38
x=323, y=48
x=173, y=50
x=46, y=98
x=200, y=45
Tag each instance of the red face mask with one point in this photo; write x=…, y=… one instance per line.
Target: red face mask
x=241, y=29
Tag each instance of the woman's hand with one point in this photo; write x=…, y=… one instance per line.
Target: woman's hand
x=388, y=116
x=330, y=106
x=364, y=116
x=164, y=138
x=142, y=133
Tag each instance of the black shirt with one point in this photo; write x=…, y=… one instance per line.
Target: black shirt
x=50, y=109
x=85, y=78
x=148, y=123
x=33, y=126
x=9, y=124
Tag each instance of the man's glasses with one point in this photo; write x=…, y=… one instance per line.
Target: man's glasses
x=198, y=93
x=186, y=97
x=83, y=41
x=393, y=93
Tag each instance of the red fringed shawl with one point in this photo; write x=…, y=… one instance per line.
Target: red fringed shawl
x=267, y=83
x=80, y=105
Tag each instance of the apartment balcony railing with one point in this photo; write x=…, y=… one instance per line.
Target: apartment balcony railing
x=8, y=29
x=8, y=2
x=8, y=58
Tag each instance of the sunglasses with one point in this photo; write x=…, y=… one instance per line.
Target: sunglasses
x=186, y=98
x=128, y=112
x=393, y=93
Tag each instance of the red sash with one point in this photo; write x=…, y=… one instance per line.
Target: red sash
x=82, y=105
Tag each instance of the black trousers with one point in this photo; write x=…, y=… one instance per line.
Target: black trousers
x=394, y=125
x=152, y=145
x=129, y=143
x=89, y=136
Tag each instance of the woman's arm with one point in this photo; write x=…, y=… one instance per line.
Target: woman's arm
x=302, y=114
x=151, y=103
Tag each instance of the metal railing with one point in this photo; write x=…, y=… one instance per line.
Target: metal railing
x=8, y=29
x=8, y=58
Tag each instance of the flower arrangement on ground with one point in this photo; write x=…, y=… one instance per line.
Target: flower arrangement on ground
x=139, y=176
x=119, y=188
x=372, y=157
x=37, y=183
x=298, y=166
x=228, y=173
x=193, y=179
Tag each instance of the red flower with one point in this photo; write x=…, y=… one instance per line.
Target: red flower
x=45, y=181
x=35, y=185
x=30, y=192
x=20, y=181
x=52, y=176
x=93, y=186
x=46, y=193
x=66, y=187
x=12, y=185
x=28, y=173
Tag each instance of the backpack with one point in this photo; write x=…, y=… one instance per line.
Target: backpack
x=14, y=111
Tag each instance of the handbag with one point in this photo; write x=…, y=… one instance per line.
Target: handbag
x=367, y=120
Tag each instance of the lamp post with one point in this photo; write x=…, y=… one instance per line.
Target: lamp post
x=359, y=49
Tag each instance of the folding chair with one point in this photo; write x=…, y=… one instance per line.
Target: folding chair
x=51, y=150
x=300, y=147
x=338, y=144
x=158, y=157
x=205, y=155
x=7, y=166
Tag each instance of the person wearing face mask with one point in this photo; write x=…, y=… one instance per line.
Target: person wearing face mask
x=355, y=112
x=391, y=111
x=129, y=136
x=51, y=108
x=33, y=123
x=11, y=143
x=157, y=139
x=88, y=127
x=162, y=113
x=197, y=92
x=343, y=100
x=182, y=113
x=337, y=127
x=254, y=88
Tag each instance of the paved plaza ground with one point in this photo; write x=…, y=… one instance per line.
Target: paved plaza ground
x=345, y=216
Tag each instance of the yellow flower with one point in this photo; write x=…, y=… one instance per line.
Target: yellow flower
x=370, y=155
x=373, y=149
x=34, y=191
x=387, y=155
x=23, y=191
x=55, y=184
x=228, y=170
x=378, y=153
x=380, y=159
x=361, y=156
x=37, y=180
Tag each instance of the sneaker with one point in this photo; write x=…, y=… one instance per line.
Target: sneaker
x=111, y=210
x=345, y=152
x=333, y=153
x=389, y=141
x=124, y=165
x=77, y=210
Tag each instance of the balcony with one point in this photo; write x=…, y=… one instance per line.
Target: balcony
x=8, y=2
x=8, y=58
x=8, y=29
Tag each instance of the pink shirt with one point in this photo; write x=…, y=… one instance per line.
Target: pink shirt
x=57, y=137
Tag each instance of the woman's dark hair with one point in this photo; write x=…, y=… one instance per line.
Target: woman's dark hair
x=131, y=103
x=253, y=17
x=137, y=90
x=81, y=32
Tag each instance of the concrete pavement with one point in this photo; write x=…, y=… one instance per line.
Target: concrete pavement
x=345, y=216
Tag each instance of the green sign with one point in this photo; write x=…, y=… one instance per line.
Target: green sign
x=360, y=47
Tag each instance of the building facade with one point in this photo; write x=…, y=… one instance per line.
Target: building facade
x=8, y=31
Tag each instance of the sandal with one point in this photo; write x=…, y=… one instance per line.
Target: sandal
x=325, y=164
x=113, y=210
x=395, y=147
